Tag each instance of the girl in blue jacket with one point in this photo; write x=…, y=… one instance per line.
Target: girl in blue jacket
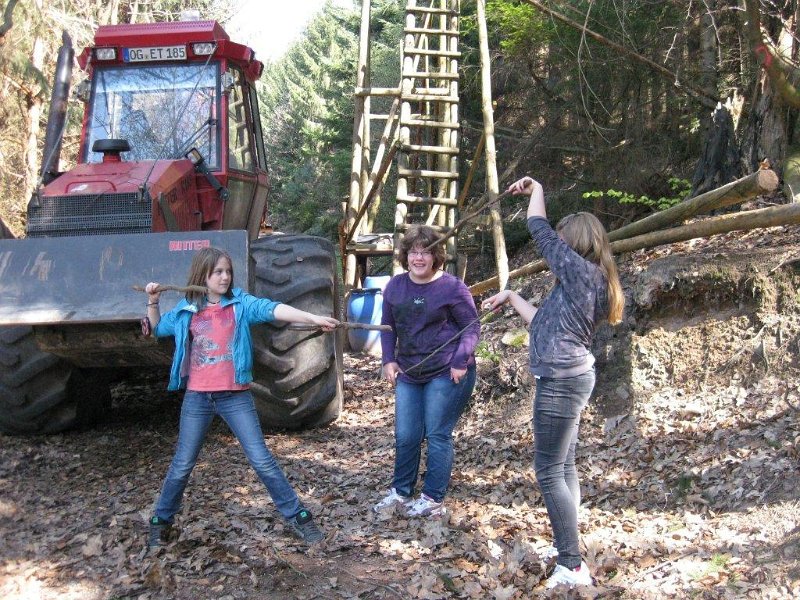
x=587, y=292
x=213, y=362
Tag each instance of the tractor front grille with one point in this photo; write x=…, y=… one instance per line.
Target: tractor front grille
x=96, y=214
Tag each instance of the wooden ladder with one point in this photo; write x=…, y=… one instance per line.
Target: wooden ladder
x=427, y=161
x=423, y=140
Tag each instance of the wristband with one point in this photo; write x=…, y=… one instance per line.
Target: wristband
x=152, y=304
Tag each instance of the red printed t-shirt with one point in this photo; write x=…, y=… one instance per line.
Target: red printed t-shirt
x=211, y=364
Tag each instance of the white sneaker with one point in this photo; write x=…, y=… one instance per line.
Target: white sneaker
x=569, y=577
x=425, y=506
x=392, y=499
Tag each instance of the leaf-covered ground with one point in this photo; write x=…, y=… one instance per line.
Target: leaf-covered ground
x=693, y=494
x=677, y=503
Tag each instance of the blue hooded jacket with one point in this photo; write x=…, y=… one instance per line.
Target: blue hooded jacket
x=247, y=309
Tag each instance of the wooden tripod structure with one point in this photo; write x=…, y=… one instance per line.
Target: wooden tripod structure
x=421, y=132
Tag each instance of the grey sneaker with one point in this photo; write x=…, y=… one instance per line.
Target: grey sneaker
x=304, y=527
x=392, y=499
x=425, y=506
x=160, y=531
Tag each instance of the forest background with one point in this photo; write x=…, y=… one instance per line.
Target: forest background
x=621, y=107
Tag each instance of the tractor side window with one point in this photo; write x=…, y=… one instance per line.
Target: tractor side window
x=162, y=110
x=240, y=140
x=262, y=155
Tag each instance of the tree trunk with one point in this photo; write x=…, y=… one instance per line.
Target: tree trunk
x=765, y=131
x=33, y=116
x=719, y=162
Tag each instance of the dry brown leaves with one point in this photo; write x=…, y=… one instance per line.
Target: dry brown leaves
x=693, y=495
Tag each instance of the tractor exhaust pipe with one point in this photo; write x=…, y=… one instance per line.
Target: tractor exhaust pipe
x=57, y=116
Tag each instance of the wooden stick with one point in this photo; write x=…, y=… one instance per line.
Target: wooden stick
x=163, y=287
x=480, y=208
x=343, y=325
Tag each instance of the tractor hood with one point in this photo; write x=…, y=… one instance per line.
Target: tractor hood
x=157, y=176
x=117, y=197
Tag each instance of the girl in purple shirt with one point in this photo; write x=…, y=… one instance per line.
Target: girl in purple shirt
x=430, y=357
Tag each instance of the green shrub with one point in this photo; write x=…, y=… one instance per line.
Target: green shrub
x=679, y=187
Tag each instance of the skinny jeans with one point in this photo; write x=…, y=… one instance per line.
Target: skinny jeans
x=556, y=415
x=428, y=411
x=237, y=410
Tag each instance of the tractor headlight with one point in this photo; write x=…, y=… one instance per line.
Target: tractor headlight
x=105, y=53
x=203, y=48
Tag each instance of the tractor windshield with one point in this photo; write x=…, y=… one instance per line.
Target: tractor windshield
x=162, y=110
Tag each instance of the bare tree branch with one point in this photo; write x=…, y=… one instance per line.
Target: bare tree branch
x=701, y=96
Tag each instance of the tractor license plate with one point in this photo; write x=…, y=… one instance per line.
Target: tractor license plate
x=155, y=53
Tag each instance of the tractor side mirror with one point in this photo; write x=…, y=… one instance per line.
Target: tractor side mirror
x=228, y=81
x=83, y=90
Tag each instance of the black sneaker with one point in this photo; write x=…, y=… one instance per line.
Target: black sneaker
x=304, y=527
x=159, y=532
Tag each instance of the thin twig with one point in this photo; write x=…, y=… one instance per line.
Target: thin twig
x=478, y=210
x=342, y=325
x=470, y=324
x=163, y=287
x=285, y=563
x=373, y=582
x=783, y=263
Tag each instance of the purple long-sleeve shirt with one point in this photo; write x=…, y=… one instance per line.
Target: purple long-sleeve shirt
x=562, y=329
x=423, y=317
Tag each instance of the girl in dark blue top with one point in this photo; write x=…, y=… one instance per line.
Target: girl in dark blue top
x=587, y=292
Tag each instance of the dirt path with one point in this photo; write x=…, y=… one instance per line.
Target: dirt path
x=676, y=504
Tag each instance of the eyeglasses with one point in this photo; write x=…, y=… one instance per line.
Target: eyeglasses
x=419, y=253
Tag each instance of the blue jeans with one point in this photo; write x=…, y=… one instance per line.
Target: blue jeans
x=427, y=411
x=556, y=416
x=239, y=412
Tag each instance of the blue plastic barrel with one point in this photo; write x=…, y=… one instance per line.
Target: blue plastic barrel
x=365, y=306
x=377, y=281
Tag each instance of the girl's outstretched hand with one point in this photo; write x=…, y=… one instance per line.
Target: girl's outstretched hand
x=327, y=323
x=152, y=295
x=522, y=186
x=497, y=301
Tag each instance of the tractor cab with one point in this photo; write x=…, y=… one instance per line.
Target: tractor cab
x=182, y=96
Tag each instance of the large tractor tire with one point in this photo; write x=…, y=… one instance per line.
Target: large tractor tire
x=42, y=393
x=297, y=375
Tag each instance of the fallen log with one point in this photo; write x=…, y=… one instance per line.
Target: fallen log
x=785, y=214
x=761, y=182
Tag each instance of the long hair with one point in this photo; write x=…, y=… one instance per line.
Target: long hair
x=203, y=264
x=422, y=236
x=585, y=234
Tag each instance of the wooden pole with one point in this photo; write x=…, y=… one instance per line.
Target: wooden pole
x=492, y=182
x=354, y=202
x=471, y=173
x=382, y=168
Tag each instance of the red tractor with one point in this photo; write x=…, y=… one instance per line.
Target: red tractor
x=171, y=159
